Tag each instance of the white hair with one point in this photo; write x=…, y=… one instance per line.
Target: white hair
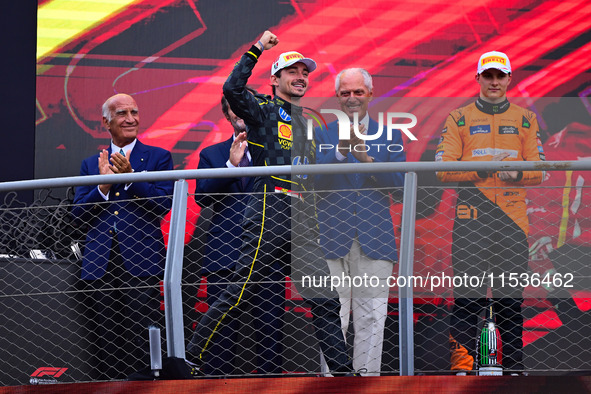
x=367, y=80
x=106, y=110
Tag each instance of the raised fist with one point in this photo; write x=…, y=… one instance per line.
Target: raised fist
x=269, y=40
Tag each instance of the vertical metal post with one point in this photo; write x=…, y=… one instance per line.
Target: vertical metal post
x=173, y=300
x=405, y=270
x=155, y=350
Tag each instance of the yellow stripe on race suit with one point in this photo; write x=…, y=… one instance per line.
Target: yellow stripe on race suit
x=565, y=214
x=284, y=180
x=255, y=144
x=275, y=177
x=247, y=279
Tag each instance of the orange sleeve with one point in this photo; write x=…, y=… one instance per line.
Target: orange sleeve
x=532, y=151
x=451, y=148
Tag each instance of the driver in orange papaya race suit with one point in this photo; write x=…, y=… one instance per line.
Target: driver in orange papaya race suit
x=491, y=225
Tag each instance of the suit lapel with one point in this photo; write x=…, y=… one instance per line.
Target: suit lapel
x=139, y=157
x=222, y=156
x=333, y=138
x=225, y=150
x=249, y=180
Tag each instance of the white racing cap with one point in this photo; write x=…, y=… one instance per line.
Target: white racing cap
x=286, y=59
x=494, y=59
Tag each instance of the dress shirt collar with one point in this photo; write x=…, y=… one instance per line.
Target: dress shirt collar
x=365, y=122
x=127, y=148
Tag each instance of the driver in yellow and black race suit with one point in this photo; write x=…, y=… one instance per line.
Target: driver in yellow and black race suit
x=280, y=218
x=491, y=226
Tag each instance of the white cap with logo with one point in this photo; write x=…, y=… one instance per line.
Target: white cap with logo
x=494, y=59
x=287, y=59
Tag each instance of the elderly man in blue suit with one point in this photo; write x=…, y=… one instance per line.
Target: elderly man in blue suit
x=227, y=198
x=124, y=253
x=356, y=229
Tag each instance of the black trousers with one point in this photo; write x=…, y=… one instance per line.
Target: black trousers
x=274, y=226
x=267, y=306
x=121, y=307
x=489, y=243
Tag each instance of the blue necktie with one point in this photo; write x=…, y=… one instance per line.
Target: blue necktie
x=122, y=152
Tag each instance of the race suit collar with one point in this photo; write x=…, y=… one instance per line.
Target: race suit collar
x=290, y=108
x=492, y=109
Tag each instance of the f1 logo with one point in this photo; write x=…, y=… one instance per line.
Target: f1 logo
x=49, y=371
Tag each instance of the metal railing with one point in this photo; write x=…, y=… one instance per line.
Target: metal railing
x=172, y=283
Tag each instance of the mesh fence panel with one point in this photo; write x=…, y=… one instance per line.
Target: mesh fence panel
x=54, y=324
x=555, y=281
x=272, y=300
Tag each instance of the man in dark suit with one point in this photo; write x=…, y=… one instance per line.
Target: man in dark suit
x=124, y=253
x=356, y=230
x=227, y=197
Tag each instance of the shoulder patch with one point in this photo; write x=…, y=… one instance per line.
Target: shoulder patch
x=480, y=129
x=461, y=121
x=503, y=130
x=525, y=122
x=284, y=115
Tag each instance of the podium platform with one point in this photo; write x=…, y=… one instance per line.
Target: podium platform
x=342, y=385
